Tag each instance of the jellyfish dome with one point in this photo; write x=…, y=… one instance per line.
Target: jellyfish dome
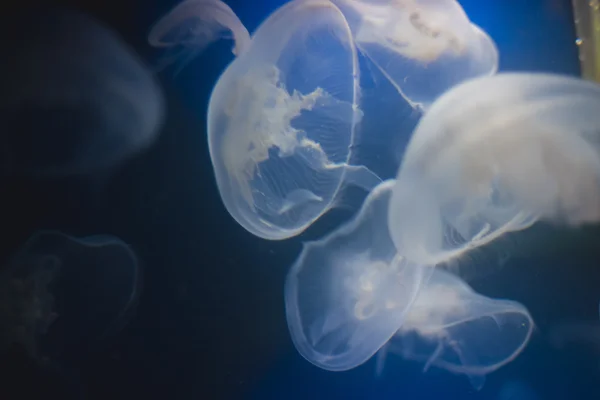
x=192, y=25
x=424, y=47
x=64, y=295
x=75, y=98
x=449, y=326
x=349, y=292
x=494, y=155
x=281, y=121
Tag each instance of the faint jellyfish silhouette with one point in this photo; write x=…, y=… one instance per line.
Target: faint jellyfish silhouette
x=517, y=390
x=449, y=326
x=75, y=98
x=349, y=292
x=282, y=118
x=26, y=301
x=191, y=26
x=424, y=47
x=477, y=169
x=64, y=295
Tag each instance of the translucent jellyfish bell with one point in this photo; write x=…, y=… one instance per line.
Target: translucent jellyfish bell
x=75, y=98
x=452, y=327
x=424, y=47
x=349, y=292
x=192, y=25
x=494, y=155
x=281, y=121
x=63, y=295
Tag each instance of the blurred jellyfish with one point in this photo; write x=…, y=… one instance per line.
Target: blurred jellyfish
x=193, y=25
x=517, y=390
x=348, y=293
x=480, y=165
x=282, y=118
x=424, y=47
x=75, y=98
x=452, y=327
x=63, y=295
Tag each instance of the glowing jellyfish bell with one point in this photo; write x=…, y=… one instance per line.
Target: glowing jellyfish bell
x=282, y=118
x=192, y=25
x=75, y=98
x=424, y=47
x=349, y=292
x=54, y=292
x=452, y=327
x=494, y=155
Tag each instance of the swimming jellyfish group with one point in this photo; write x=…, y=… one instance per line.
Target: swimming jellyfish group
x=492, y=153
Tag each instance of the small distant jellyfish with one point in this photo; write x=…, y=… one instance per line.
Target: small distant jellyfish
x=75, y=98
x=65, y=295
x=26, y=301
x=282, y=120
x=495, y=155
x=451, y=327
x=191, y=26
x=348, y=293
x=423, y=47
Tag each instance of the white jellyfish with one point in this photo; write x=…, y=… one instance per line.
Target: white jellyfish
x=192, y=25
x=495, y=155
x=282, y=118
x=424, y=47
x=54, y=293
x=348, y=293
x=75, y=98
x=449, y=326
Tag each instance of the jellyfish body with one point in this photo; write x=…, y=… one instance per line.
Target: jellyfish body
x=192, y=25
x=349, y=292
x=452, y=327
x=494, y=155
x=75, y=98
x=281, y=121
x=424, y=47
x=68, y=311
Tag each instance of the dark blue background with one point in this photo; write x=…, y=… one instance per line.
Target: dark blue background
x=211, y=323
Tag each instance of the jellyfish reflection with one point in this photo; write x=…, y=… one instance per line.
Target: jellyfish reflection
x=481, y=165
x=349, y=292
x=452, y=327
x=192, y=25
x=75, y=99
x=64, y=295
x=281, y=121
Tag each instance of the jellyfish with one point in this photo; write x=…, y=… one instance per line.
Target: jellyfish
x=449, y=326
x=494, y=155
x=349, y=292
x=281, y=122
x=191, y=26
x=424, y=47
x=55, y=294
x=75, y=98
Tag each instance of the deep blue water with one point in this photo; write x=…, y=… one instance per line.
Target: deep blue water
x=211, y=323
